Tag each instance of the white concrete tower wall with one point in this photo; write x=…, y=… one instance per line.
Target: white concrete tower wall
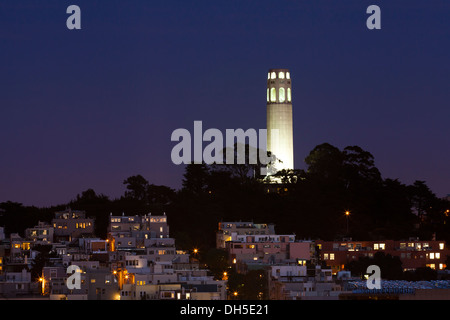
x=279, y=116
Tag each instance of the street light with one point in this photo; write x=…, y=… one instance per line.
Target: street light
x=347, y=214
x=42, y=280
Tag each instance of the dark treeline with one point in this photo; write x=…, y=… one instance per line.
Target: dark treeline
x=310, y=203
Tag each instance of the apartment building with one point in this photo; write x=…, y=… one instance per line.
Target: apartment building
x=229, y=230
x=296, y=282
x=71, y=224
x=131, y=232
x=255, y=251
x=40, y=234
x=413, y=253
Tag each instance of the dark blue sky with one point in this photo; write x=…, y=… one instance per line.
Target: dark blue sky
x=88, y=108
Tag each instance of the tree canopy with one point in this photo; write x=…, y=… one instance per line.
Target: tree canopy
x=310, y=203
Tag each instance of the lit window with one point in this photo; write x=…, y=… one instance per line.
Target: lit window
x=431, y=255
x=437, y=255
x=441, y=246
x=268, y=75
x=289, y=94
x=268, y=95
x=281, y=75
x=273, y=95
x=281, y=96
x=288, y=75
x=382, y=246
x=375, y=246
x=273, y=75
x=331, y=256
x=325, y=256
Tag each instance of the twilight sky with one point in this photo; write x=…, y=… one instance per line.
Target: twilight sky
x=88, y=108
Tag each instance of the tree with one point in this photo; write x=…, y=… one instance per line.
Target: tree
x=422, y=198
x=136, y=188
x=195, y=179
x=325, y=162
x=89, y=197
x=360, y=165
x=160, y=194
x=216, y=261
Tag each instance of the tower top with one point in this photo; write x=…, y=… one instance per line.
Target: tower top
x=278, y=74
x=279, y=86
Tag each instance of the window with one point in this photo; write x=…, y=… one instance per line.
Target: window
x=268, y=75
x=325, y=256
x=441, y=246
x=273, y=95
x=289, y=95
x=281, y=96
x=281, y=75
x=273, y=75
x=331, y=256
x=268, y=95
x=431, y=255
x=288, y=75
x=437, y=255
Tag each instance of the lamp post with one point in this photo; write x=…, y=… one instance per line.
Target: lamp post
x=42, y=281
x=347, y=214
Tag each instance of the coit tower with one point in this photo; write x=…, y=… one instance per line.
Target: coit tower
x=279, y=117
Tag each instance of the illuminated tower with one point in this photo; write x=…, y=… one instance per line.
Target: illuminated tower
x=279, y=116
